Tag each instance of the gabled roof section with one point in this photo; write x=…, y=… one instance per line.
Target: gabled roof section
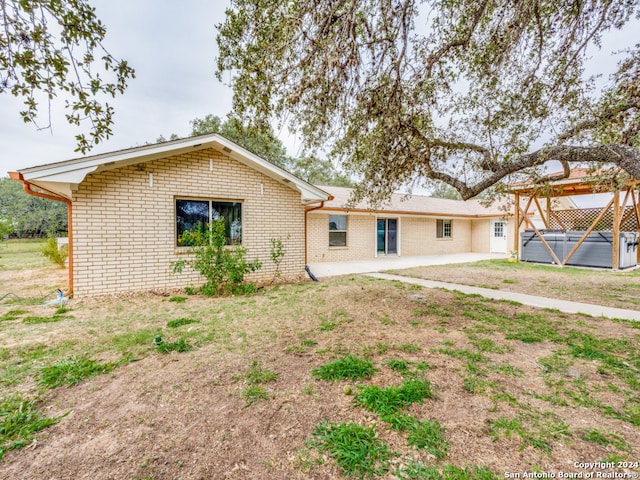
x=63, y=177
x=421, y=205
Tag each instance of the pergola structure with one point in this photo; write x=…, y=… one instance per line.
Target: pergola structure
x=622, y=212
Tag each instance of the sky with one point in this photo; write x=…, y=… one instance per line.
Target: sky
x=172, y=47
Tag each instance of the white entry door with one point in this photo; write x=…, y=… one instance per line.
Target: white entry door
x=498, y=242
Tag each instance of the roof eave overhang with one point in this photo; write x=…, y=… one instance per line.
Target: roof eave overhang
x=564, y=188
x=408, y=213
x=64, y=177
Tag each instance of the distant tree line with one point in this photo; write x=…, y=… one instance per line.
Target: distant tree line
x=24, y=215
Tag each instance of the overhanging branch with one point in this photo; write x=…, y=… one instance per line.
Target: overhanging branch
x=625, y=157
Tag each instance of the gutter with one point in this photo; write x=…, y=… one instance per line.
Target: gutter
x=307, y=210
x=28, y=187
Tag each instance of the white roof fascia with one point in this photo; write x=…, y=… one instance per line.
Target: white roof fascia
x=62, y=177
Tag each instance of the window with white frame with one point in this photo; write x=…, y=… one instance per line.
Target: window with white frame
x=337, y=230
x=443, y=228
x=199, y=214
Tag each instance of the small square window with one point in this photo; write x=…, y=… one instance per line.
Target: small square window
x=443, y=228
x=337, y=230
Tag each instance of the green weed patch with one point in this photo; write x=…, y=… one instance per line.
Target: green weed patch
x=178, y=299
x=356, y=449
x=387, y=401
x=605, y=438
x=423, y=435
x=350, y=367
x=254, y=393
x=13, y=314
x=178, y=322
x=180, y=345
x=19, y=421
x=535, y=431
x=75, y=369
x=257, y=374
x=418, y=471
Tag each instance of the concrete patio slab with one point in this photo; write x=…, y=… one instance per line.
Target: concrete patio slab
x=331, y=269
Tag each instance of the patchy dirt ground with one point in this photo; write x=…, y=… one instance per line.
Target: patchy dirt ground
x=588, y=285
x=35, y=283
x=185, y=416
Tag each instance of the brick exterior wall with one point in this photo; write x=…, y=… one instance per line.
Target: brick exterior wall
x=482, y=231
x=417, y=236
x=361, y=239
x=480, y=235
x=124, y=229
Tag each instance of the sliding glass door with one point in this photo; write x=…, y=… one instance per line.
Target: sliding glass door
x=387, y=236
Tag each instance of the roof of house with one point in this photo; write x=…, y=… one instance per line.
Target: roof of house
x=61, y=178
x=412, y=205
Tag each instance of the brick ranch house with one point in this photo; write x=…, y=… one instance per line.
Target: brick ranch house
x=128, y=208
x=404, y=225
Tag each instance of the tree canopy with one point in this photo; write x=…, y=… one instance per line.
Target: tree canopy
x=465, y=92
x=51, y=48
x=25, y=215
x=259, y=138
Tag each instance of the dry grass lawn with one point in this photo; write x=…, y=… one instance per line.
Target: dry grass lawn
x=588, y=285
x=514, y=389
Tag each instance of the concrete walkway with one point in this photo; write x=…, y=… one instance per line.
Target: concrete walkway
x=330, y=269
x=532, y=300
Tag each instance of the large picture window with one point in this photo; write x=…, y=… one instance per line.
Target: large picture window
x=192, y=214
x=443, y=228
x=337, y=230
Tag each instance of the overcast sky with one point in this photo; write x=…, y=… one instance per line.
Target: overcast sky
x=172, y=47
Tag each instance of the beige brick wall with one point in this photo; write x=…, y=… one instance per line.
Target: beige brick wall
x=417, y=236
x=480, y=235
x=482, y=231
x=361, y=239
x=124, y=230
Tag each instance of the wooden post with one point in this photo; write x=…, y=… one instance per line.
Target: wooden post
x=589, y=230
x=624, y=215
x=636, y=209
x=615, y=251
x=524, y=213
x=545, y=218
x=545, y=244
x=516, y=225
x=548, y=211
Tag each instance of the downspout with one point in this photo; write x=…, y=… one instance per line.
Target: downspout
x=52, y=196
x=307, y=210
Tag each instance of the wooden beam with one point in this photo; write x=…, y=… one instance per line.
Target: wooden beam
x=615, y=251
x=546, y=245
x=524, y=213
x=545, y=219
x=623, y=208
x=589, y=230
x=636, y=209
x=516, y=224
